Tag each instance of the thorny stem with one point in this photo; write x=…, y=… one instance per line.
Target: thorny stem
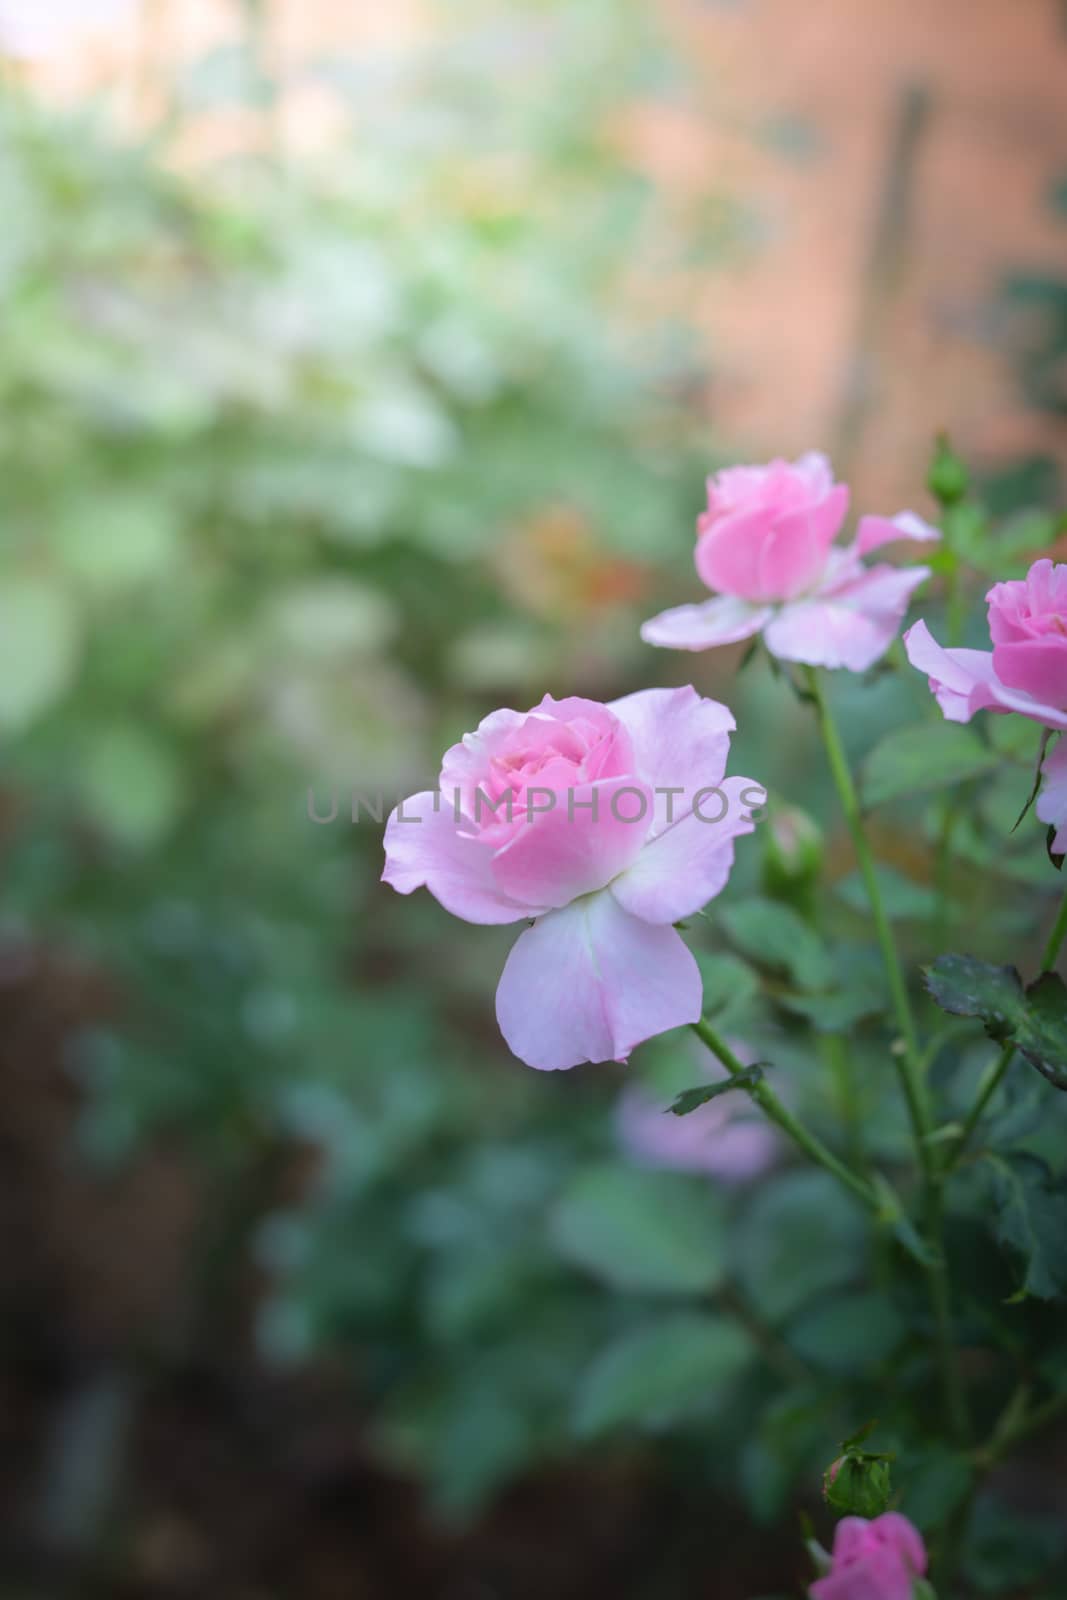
x=1055, y=938
x=996, y=1076
x=914, y=1089
x=764, y=1096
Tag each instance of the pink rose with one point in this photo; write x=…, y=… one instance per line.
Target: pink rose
x=876, y=1560
x=766, y=546
x=1025, y=672
x=605, y=824
x=1028, y=627
x=727, y=1138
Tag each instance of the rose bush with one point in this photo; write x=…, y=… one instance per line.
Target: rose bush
x=592, y=821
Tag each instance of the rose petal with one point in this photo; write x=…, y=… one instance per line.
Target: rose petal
x=589, y=982
x=680, y=740
x=852, y=626
x=873, y=532
x=689, y=862
x=1051, y=804
x=963, y=682
x=424, y=847
x=769, y=551
x=851, y=1539
x=570, y=849
x=895, y=1530
x=723, y=620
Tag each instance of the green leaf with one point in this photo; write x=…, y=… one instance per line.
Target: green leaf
x=1033, y=1019
x=39, y=644
x=660, y=1372
x=773, y=935
x=692, y=1099
x=729, y=984
x=902, y=898
x=835, y=1013
x=859, y=992
x=930, y=756
x=1046, y=735
x=800, y=1237
x=1030, y=1220
x=967, y=987
x=646, y=1232
x=933, y=1483
x=131, y=784
x=1043, y=1037
x=850, y=1333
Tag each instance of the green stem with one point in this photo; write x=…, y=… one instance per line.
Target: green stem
x=764, y=1096
x=989, y=1088
x=836, y=1056
x=955, y=602
x=909, y=1063
x=908, y=1067
x=1017, y=1424
x=994, y=1079
x=937, y=1284
x=1055, y=938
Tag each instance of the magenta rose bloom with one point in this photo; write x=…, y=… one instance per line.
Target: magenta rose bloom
x=604, y=824
x=1025, y=672
x=766, y=546
x=877, y=1560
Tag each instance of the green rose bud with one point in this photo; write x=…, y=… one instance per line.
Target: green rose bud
x=947, y=479
x=792, y=856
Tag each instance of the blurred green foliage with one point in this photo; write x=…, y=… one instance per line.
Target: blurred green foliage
x=303, y=468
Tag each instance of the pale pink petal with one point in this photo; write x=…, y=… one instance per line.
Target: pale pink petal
x=963, y=682
x=727, y=553
x=589, y=983
x=680, y=741
x=466, y=765
x=574, y=849
x=830, y=513
x=1051, y=804
x=425, y=847
x=723, y=620
x=815, y=467
x=689, y=862
x=852, y=626
x=1034, y=667
x=895, y=1530
x=873, y=532
x=768, y=552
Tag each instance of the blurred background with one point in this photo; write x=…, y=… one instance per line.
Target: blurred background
x=360, y=370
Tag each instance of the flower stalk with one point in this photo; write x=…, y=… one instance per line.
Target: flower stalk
x=908, y=1061
x=764, y=1096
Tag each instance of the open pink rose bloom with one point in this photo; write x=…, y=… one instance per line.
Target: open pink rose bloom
x=604, y=824
x=876, y=1560
x=1025, y=672
x=765, y=546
